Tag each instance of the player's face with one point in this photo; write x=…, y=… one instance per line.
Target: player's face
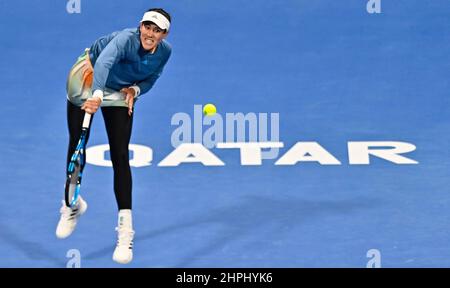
x=151, y=35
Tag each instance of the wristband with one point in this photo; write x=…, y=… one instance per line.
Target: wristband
x=98, y=94
x=137, y=90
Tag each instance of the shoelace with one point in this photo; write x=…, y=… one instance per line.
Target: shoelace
x=125, y=236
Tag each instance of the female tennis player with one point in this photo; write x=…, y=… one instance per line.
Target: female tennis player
x=112, y=74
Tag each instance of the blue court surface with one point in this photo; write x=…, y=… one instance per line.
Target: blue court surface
x=365, y=96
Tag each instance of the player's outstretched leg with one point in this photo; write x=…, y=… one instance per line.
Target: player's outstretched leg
x=69, y=218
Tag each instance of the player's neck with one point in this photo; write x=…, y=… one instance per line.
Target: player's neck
x=145, y=51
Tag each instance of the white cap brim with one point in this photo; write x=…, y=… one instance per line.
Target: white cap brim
x=160, y=20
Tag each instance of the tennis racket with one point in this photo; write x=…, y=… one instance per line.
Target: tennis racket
x=75, y=168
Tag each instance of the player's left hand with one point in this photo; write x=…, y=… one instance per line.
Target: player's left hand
x=129, y=98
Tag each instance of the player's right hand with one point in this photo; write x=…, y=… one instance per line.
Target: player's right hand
x=91, y=105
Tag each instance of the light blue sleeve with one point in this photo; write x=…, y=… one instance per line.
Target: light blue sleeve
x=110, y=55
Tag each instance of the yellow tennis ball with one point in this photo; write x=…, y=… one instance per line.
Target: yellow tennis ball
x=209, y=109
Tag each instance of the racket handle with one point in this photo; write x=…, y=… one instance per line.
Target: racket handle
x=86, y=120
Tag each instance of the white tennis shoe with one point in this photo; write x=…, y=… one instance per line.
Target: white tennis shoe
x=123, y=253
x=69, y=218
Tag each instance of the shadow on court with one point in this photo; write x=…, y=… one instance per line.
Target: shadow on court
x=242, y=220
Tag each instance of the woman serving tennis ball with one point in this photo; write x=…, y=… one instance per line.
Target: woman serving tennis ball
x=112, y=74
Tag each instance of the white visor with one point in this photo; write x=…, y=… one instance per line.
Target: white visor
x=160, y=20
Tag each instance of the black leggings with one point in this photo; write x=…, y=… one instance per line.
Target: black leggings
x=118, y=127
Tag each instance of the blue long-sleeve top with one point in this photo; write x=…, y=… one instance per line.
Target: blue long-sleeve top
x=120, y=61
